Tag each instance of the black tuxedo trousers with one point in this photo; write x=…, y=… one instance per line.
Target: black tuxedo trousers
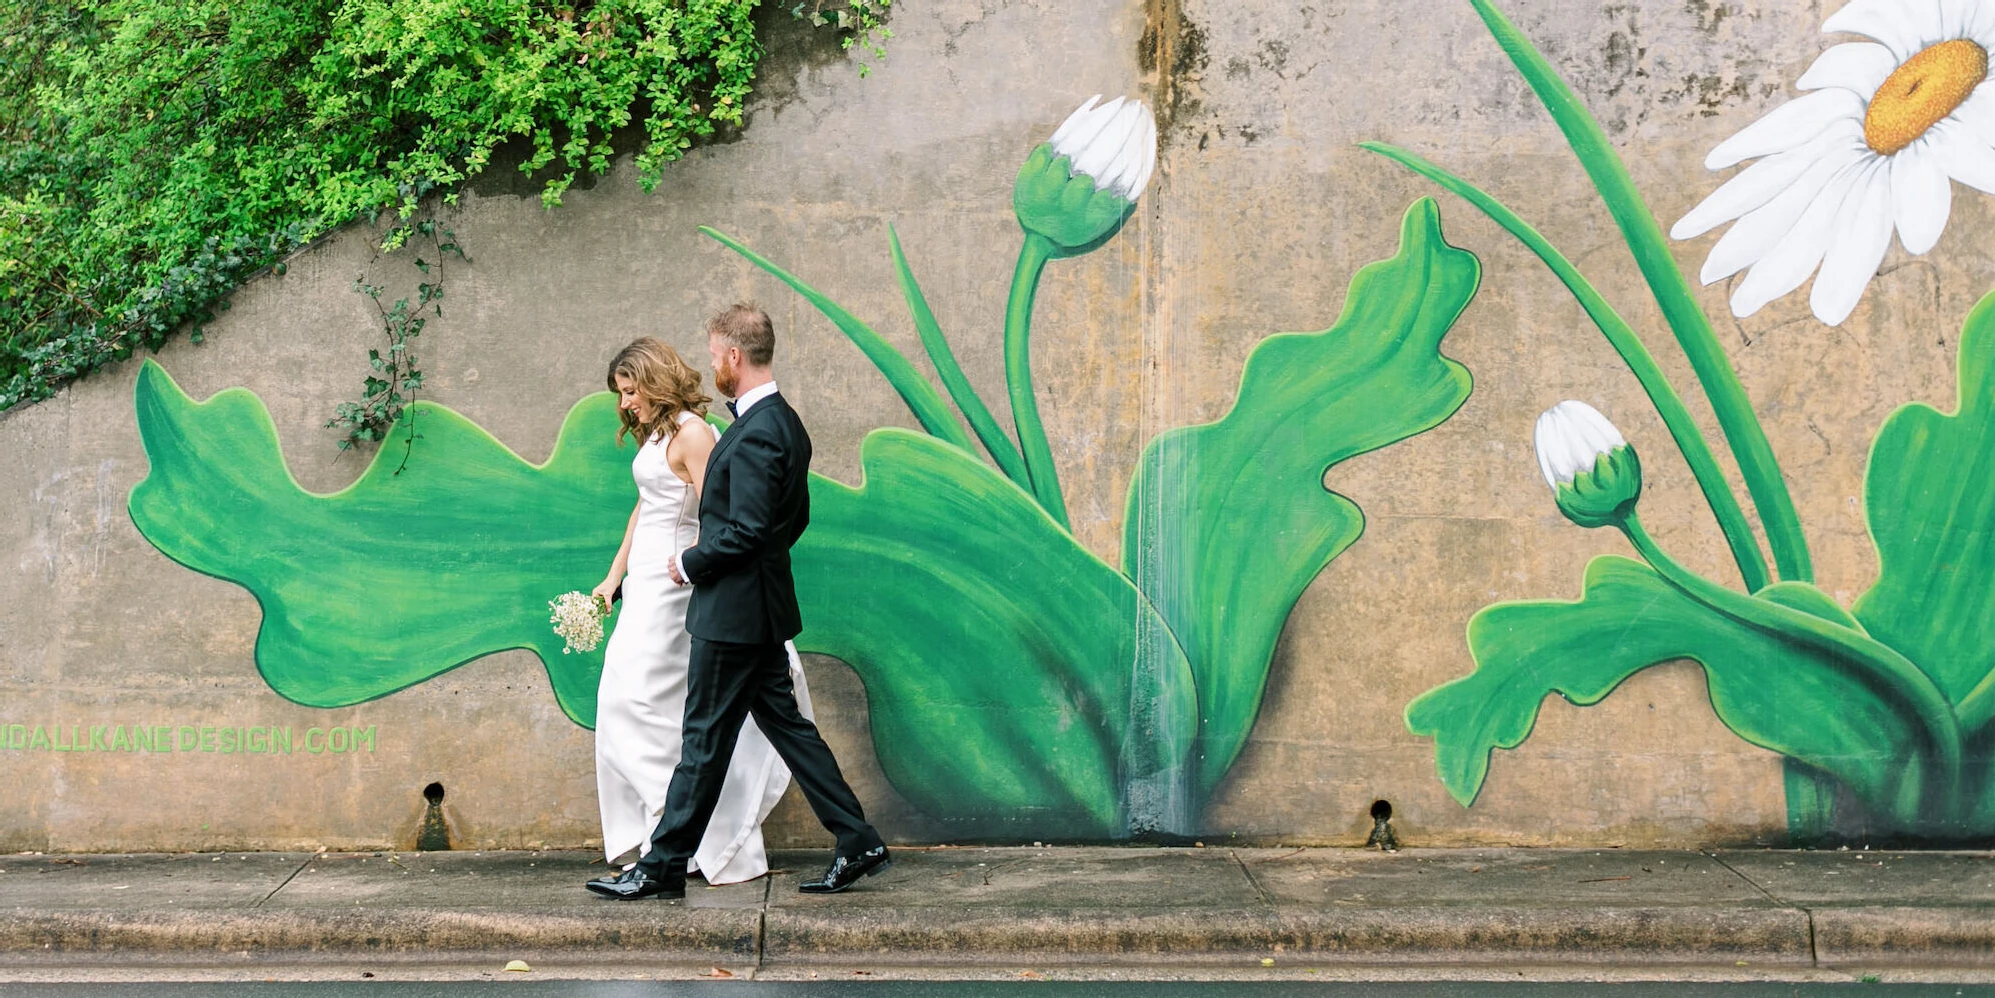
x=727, y=683
x=755, y=505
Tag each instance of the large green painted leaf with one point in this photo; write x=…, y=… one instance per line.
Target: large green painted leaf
x=1770, y=691
x=1930, y=499
x=999, y=656
x=1228, y=522
x=402, y=575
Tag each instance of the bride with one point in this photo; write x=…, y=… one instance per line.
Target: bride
x=641, y=704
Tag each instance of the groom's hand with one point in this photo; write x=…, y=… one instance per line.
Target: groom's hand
x=677, y=575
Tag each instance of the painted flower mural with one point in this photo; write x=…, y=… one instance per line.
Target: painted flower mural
x=1111, y=148
x=1020, y=685
x=1875, y=146
x=1884, y=710
x=1137, y=708
x=1017, y=684
x=1594, y=474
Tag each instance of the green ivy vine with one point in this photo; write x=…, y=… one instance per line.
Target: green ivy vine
x=393, y=379
x=154, y=154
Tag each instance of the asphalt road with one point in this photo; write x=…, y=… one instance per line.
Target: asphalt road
x=985, y=989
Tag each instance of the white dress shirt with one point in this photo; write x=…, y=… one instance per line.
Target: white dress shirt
x=752, y=396
x=741, y=407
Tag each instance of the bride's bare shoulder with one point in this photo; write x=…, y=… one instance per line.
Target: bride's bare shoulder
x=682, y=440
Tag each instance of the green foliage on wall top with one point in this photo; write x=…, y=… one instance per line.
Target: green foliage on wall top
x=156, y=153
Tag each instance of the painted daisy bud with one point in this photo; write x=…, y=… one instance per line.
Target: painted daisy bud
x=1078, y=186
x=1589, y=465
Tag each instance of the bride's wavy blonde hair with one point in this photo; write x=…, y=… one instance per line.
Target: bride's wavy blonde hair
x=665, y=383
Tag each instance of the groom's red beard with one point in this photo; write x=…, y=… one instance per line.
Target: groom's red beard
x=727, y=379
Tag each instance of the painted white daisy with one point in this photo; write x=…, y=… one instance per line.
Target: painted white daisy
x=1889, y=125
x=1115, y=143
x=1079, y=185
x=1594, y=473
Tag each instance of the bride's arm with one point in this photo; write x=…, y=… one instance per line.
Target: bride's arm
x=622, y=563
x=688, y=453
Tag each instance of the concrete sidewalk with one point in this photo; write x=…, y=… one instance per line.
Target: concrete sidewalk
x=1129, y=912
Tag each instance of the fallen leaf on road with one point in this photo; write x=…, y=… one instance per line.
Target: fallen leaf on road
x=518, y=967
x=718, y=972
x=1032, y=975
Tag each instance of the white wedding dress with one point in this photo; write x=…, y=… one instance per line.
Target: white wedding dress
x=641, y=704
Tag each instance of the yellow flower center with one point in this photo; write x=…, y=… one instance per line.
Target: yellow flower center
x=1928, y=87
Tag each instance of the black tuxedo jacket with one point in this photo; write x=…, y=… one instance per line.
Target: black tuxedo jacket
x=755, y=505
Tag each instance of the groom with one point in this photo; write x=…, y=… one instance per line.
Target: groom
x=755, y=506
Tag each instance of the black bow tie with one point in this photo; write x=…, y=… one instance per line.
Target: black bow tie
x=731, y=410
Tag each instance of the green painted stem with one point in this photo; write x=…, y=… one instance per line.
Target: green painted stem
x=965, y=395
x=1877, y=661
x=1977, y=708
x=1682, y=428
x=921, y=397
x=1032, y=259
x=1679, y=307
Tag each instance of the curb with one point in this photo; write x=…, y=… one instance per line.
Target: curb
x=667, y=934
x=1764, y=938
x=1401, y=936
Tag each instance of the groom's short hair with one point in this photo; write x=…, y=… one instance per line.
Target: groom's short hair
x=748, y=329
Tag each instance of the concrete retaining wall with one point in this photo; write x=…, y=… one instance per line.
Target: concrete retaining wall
x=1263, y=209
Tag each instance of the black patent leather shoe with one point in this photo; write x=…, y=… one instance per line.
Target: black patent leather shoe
x=635, y=885
x=846, y=871
x=611, y=878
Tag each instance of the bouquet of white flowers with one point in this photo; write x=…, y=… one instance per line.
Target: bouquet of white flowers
x=578, y=619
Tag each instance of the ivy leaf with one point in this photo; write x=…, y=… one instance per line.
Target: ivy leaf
x=1228, y=522
x=1930, y=500
x=481, y=540
x=997, y=653
x=1805, y=705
